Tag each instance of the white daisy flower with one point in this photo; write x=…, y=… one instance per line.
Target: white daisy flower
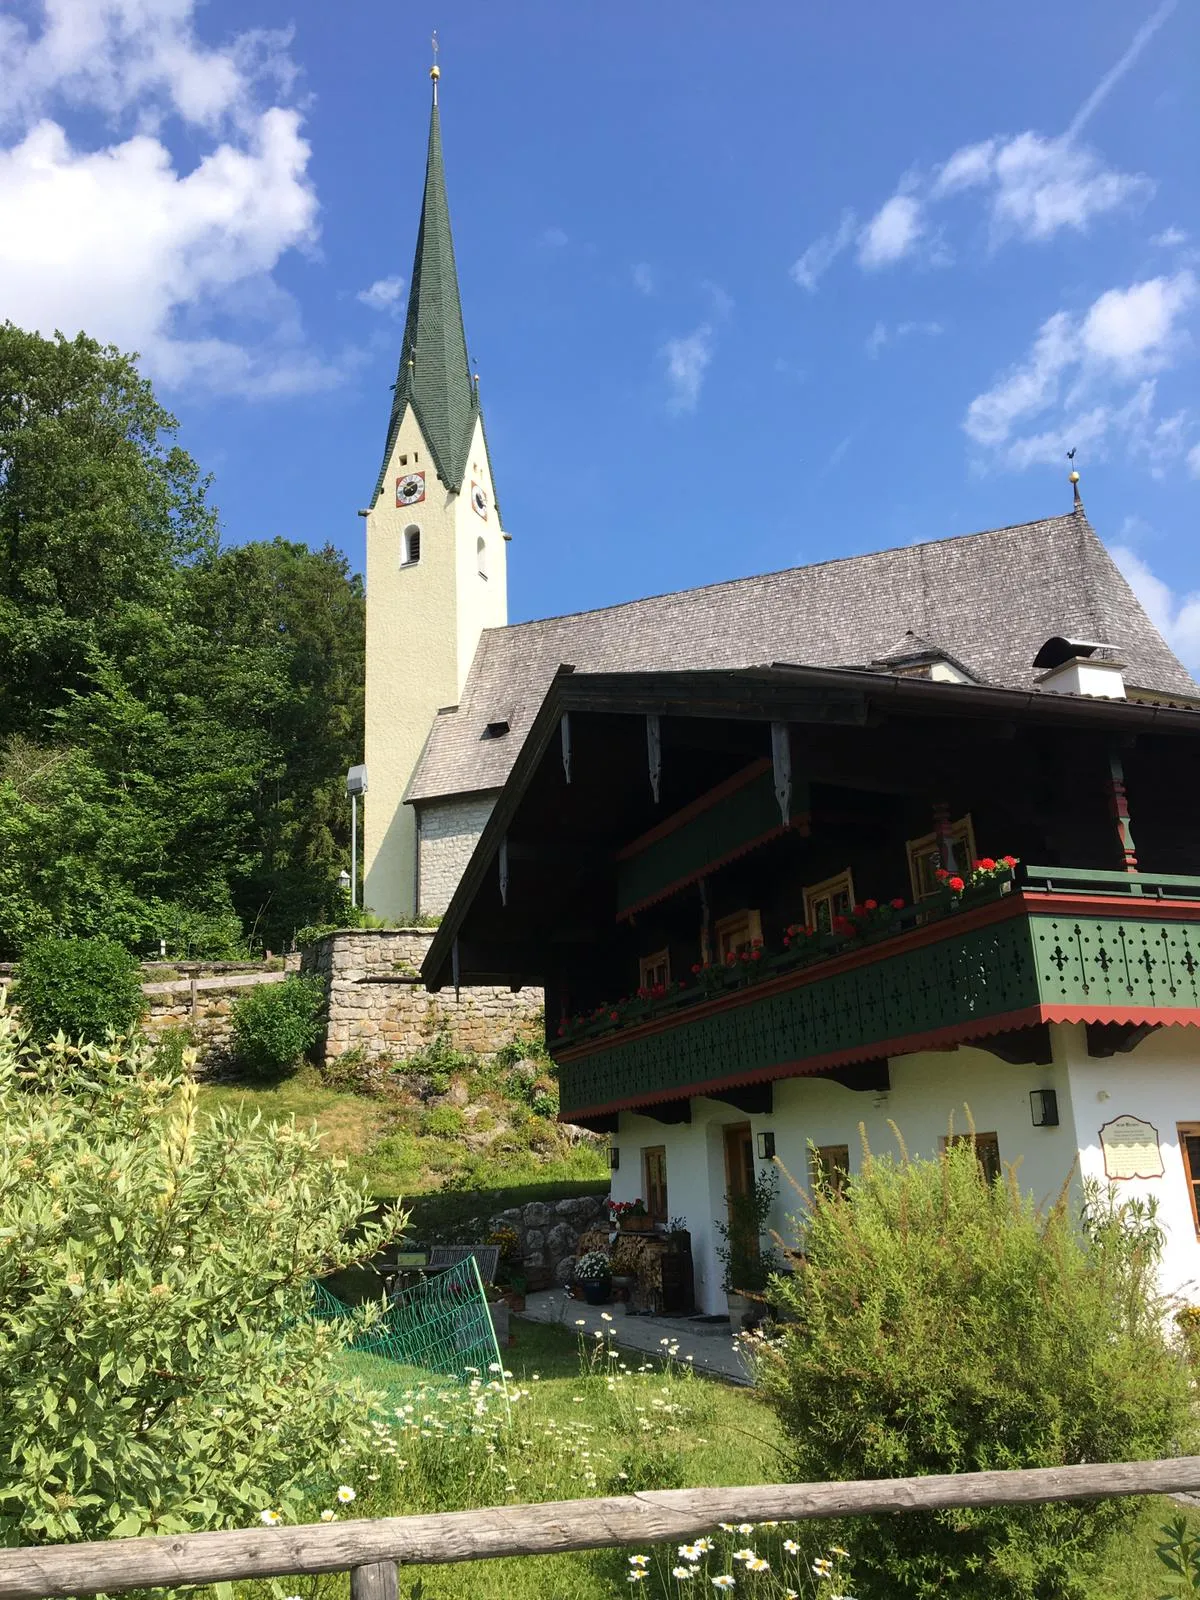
x=270, y=1519
x=345, y=1494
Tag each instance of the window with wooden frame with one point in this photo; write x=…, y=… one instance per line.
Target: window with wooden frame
x=1189, y=1150
x=987, y=1151
x=655, y=971
x=925, y=857
x=829, y=1167
x=654, y=1181
x=736, y=933
x=824, y=902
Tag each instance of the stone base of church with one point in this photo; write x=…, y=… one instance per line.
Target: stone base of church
x=377, y=1003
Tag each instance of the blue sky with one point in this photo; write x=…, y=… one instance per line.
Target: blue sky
x=747, y=286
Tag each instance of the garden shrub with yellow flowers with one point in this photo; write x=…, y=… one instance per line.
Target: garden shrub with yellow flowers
x=942, y=1323
x=159, y=1370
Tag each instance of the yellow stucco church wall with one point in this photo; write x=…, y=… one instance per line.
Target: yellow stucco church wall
x=424, y=619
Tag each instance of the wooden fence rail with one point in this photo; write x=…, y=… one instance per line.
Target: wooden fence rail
x=370, y=1548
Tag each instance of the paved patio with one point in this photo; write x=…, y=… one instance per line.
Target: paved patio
x=708, y=1346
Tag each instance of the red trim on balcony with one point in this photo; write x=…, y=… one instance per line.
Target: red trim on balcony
x=906, y=1044
x=947, y=927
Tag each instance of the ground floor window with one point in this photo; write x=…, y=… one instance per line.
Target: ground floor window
x=987, y=1150
x=654, y=1181
x=829, y=1167
x=1189, y=1149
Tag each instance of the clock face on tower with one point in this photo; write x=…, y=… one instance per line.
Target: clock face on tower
x=410, y=489
x=479, y=500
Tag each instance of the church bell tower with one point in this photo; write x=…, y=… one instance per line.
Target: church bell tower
x=436, y=563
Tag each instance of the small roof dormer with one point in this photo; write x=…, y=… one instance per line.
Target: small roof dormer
x=914, y=657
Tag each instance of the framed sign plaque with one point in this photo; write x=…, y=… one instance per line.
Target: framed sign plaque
x=1131, y=1149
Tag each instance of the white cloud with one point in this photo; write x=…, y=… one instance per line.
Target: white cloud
x=120, y=239
x=643, y=277
x=967, y=168
x=1093, y=372
x=1177, y=619
x=816, y=261
x=1044, y=185
x=1134, y=328
x=892, y=232
x=687, y=360
x=383, y=295
x=553, y=239
x=881, y=334
x=1193, y=461
x=722, y=301
x=1169, y=238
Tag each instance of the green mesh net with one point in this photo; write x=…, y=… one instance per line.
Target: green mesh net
x=440, y=1326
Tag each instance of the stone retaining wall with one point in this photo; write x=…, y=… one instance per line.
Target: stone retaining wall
x=549, y=1231
x=377, y=1003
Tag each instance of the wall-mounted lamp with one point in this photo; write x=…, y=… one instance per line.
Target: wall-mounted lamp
x=766, y=1146
x=614, y=1157
x=1043, y=1103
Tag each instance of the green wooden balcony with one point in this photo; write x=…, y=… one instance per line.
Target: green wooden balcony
x=1069, y=946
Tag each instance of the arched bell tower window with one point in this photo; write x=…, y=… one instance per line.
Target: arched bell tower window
x=481, y=557
x=411, y=547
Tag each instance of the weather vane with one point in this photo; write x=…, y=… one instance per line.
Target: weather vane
x=435, y=71
x=1073, y=477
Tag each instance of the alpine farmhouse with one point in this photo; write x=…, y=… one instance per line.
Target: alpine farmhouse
x=864, y=843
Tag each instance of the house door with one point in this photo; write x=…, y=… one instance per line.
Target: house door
x=739, y=1159
x=739, y=1181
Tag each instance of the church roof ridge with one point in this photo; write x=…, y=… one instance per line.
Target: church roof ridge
x=971, y=591
x=1070, y=518
x=434, y=373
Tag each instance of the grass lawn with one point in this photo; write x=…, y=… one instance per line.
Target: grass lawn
x=399, y=1148
x=582, y=1427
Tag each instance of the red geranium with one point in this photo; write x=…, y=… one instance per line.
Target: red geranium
x=1009, y=861
x=897, y=905
x=986, y=864
x=956, y=884
x=870, y=905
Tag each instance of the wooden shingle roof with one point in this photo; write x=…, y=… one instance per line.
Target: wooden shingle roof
x=989, y=599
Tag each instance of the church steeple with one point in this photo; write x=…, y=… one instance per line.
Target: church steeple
x=434, y=375
x=437, y=563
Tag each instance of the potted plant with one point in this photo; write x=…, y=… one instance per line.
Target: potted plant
x=747, y=1267
x=631, y=1216
x=515, y=1293
x=593, y=1274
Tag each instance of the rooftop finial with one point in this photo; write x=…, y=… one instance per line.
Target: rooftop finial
x=435, y=71
x=1073, y=478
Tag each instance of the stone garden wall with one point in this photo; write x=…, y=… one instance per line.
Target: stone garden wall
x=377, y=1003
x=549, y=1230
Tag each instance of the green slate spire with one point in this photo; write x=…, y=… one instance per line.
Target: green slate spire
x=434, y=374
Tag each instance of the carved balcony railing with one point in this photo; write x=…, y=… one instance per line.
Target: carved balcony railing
x=1066, y=947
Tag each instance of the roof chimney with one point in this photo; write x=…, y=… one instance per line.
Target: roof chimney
x=1074, y=668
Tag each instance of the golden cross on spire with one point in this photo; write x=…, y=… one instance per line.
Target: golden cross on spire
x=435, y=70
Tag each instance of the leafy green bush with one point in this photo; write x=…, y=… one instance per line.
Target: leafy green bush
x=80, y=987
x=275, y=1024
x=158, y=1368
x=943, y=1324
x=444, y=1120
